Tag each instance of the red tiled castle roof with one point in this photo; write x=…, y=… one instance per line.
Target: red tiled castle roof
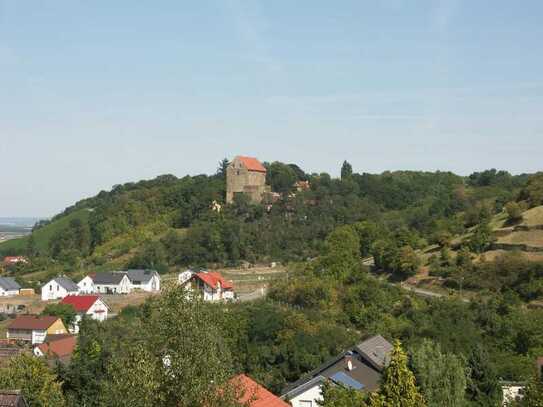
x=252, y=164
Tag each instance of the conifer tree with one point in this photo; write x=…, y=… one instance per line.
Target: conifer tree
x=398, y=387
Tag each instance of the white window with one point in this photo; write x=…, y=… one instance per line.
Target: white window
x=306, y=403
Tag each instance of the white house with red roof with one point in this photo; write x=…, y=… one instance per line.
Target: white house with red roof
x=86, y=305
x=211, y=285
x=12, y=260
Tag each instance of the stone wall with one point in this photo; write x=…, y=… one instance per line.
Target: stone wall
x=241, y=180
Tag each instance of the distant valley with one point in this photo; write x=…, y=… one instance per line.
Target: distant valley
x=15, y=227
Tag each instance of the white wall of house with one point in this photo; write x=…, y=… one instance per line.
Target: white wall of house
x=209, y=293
x=124, y=287
x=512, y=393
x=98, y=311
x=152, y=285
x=86, y=286
x=184, y=277
x=8, y=293
x=54, y=291
x=308, y=398
x=38, y=336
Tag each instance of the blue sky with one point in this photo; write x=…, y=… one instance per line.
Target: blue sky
x=96, y=93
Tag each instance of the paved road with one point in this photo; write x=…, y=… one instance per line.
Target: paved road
x=420, y=291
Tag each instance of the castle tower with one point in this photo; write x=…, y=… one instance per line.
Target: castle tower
x=246, y=175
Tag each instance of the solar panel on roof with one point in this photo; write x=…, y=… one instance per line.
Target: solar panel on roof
x=342, y=378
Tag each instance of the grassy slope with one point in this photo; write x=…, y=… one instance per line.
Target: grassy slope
x=44, y=234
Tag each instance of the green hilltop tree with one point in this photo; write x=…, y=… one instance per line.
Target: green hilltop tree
x=179, y=358
x=339, y=396
x=38, y=383
x=342, y=252
x=533, y=397
x=398, y=384
x=221, y=169
x=533, y=191
x=346, y=170
x=483, y=385
x=514, y=212
x=442, y=377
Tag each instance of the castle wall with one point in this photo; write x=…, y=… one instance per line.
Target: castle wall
x=240, y=180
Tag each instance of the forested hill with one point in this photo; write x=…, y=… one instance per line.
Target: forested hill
x=169, y=221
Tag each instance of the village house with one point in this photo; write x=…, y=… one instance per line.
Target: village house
x=184, y=277
x=91, y=306
x=145, y=280
x=12, y=398
x=86, y=286
x=111, y=282
x=34, y=328
x=9, y=287
x=13, y=260
x=246, y=175
x=359, y=369
x=211, y=285
x=255, y=394
x=58, y=288
x=56, y=348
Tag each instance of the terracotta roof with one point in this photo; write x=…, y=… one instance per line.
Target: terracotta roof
x=255, y=394
x=252, y=164
x=81, y=303
x=59, y=347
x=14, y=259
x=33, y=322
x=211, y=278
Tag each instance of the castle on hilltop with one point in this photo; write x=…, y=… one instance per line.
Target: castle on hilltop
x=246, y=175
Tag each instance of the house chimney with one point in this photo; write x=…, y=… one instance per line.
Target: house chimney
x=349, y=362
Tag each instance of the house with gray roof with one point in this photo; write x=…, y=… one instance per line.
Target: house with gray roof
x=145, y=280
x=9, y=287
x=359, y=368
x=58, y=288
x=111, y=282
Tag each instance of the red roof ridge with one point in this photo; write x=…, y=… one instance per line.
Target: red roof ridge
x=60, y=347
x=256, y=394
x=81, y=303
x=31, y=322
x=211, y=278
x=252, y=163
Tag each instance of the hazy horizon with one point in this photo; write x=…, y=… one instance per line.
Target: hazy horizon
x=99, y=93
